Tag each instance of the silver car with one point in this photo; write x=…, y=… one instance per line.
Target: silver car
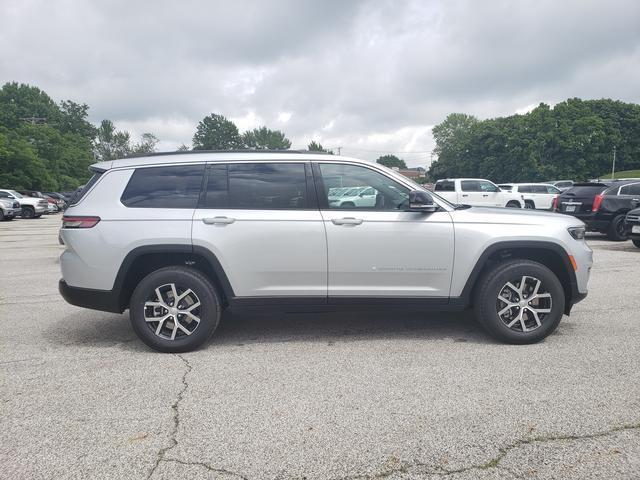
x=177, y=238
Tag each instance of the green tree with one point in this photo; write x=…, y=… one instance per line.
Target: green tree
x=111, y=143
x=391, y=161
x=147, y=144
x=215, y=132
x=317, y=147
x=265, y=139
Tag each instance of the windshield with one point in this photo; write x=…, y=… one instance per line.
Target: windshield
x=15, y=194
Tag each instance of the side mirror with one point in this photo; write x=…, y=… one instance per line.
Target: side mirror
x=421, y=201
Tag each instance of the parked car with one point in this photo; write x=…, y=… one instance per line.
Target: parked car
x=632, y=223
x=9, y=209
x=536, y=195
x=52, y=206
x=602, y=206
x=562, y=185
x=476, y=191
x=60, y=200
x=30, y=207
x=360, y=196
x=178, y=238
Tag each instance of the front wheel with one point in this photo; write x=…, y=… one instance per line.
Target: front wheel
x=28, y=212
x=519, y=301
x=174, y=309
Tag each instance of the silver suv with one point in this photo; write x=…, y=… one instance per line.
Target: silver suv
x=177, y=238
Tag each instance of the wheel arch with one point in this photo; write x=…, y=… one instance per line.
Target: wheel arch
x=141, y=261
x=549, y=254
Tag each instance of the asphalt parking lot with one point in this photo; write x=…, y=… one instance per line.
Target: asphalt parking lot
x=324, y=396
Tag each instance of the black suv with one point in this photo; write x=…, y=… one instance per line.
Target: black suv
x=601, y=205
x=633, y=225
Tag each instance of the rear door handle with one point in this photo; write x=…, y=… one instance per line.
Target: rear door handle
x=346, y=221
x=218, y=220
x=465, y=195
x=485, y=194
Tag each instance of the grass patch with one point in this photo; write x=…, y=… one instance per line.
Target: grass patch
x=623, y=174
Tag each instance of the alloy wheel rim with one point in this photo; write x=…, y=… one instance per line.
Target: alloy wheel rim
x=523, y=305
x=172, y=312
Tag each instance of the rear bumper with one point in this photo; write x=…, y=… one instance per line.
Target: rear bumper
x=103, y=300
x=593, y=221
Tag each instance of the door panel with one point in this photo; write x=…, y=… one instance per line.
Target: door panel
x=262, y=223
x=382, y=250
x=389, y=253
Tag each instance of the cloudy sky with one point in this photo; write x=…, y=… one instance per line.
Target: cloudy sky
x=369, y=76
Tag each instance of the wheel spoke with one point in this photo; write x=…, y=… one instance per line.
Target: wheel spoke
x=506, y=309
x=183, y=328
x=175, y=294
x=154, y=304
x=156, y=319
x=513, y=322
x=191, y=307
x=512, y=287
x=183, y=294
x=540, y=310
x=159, y=295
x=192, y=317
x=524, y=326
x=175, y=329
x=161, y=313
x=536, y=288
x=535, y=316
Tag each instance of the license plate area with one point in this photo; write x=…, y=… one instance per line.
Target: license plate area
x=635, y=229
x=572, y=207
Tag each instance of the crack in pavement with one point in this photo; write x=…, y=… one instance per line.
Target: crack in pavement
x=207, y=466
x=173, y=442
x=426, y=469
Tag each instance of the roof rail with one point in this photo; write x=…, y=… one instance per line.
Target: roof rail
x=248, y=150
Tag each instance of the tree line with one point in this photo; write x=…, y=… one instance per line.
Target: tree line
x=573, y=140
x=49, y=146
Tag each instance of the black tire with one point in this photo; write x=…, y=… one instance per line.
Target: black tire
x=493, y=284
x=529, y=205
x=184, y=279
x=617, y=229
x=2, y=217
x=636, y=242
x=28, y=212
x=9, y=218
x=513, y=204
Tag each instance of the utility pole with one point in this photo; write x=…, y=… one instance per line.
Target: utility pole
x=613, y=166
x=339, y=150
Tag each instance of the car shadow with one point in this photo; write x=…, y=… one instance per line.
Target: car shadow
x=244, y=328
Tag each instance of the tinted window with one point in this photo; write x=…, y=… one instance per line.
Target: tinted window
x=257, y=186
x=445, y=187
x=470, y=186
x=633, y=189
x=524, y=189
x=371, y=190
x=487, y=187
x=82, y=191
x=539, y=189
x=552, y=189
x=4, y=195
x=585, y=190
x=164, y=187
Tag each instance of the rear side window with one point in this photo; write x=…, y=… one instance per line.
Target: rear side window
x=539, y=189
x=164, y=187
x=633, y=189
x=470, y=186
x=257, y=186
x=525, y=189
x=82, y=191
x=445, y=187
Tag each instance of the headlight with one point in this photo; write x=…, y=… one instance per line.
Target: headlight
x=577, y=232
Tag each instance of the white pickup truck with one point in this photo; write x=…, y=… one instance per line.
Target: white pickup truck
x=477, y=191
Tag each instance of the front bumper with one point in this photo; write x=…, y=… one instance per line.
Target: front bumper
x=103, y=300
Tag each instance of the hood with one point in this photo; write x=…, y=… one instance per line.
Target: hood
x=514, y=216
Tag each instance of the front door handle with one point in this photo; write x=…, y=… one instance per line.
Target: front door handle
x=465, y=195
x=485, y=195
x=218, y=220
x=346, y=221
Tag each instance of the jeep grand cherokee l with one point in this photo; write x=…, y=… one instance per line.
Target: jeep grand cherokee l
x=176, y=238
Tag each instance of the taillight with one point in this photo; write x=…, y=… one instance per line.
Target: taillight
x=597, y=201
x=79, y=222
x=556, y=202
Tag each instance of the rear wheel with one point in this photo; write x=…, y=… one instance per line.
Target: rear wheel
x=529, y=204
x=617, y=230
x=513, y=204
x=174, y=309
x=28, y=212
x=519, y=301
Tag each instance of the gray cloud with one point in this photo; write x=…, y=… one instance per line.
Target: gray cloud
x=368, y=76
